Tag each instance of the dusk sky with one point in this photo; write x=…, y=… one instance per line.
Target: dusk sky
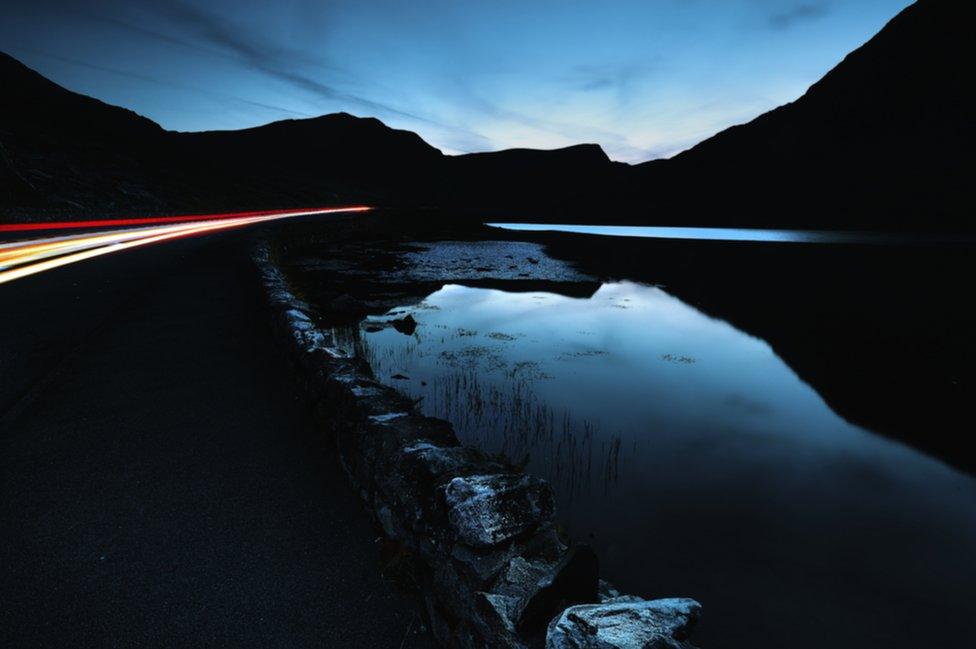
x=645, y=79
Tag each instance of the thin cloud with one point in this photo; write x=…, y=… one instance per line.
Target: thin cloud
x=161, y=82
x=160, y=36
x=464, y=94
x=207, y=34
x=619, y=76
x=269, y=60
x=798, y=14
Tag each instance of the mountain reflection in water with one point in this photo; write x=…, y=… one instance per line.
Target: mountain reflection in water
x=692, y=457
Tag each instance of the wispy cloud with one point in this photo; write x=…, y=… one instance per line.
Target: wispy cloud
x=209, y=34
x=128, y=74
x=621, y=77
x=465, y=94
x=271, y=60
x=800, y=13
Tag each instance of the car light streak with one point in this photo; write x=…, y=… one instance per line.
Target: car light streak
x=24, y=258
x=147, y=220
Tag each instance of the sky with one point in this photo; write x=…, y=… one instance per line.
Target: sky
x=644, y=79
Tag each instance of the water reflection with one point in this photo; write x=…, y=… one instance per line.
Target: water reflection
x=737, y=234
x=694, y=459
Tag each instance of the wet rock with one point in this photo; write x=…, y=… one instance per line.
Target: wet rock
x=435, y=462
x=607, y=594
x=405, y=325
x=481, y=565
x=485, y=510
x=656, y=624
x=521, y=576
x=514, y=567
x=496, y=613
x=370, y=451
x=574, y=580
x=378, y=400
x=410, y=483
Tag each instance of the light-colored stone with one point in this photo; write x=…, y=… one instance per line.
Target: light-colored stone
x=655, y=624
x=489, y=509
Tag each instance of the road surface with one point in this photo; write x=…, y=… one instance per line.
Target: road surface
x=161, y=483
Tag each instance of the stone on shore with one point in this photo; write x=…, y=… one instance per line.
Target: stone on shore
x=485, y=510
x=655, y=624
x=573, y=580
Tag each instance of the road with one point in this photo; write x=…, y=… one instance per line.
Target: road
x=160, y=482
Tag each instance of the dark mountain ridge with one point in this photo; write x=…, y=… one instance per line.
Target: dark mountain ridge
x=881, y=142
x=79, y=154
x=47, y=108
x=884, y=141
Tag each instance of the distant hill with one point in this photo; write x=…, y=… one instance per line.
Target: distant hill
x=884, y=140
x=534, y=184
x=59, y=148
x=65, y=153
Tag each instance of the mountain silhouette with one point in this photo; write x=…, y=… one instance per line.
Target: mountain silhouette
x=881, y=142
x=66, y=151
x=75, y=153
x=533, y=184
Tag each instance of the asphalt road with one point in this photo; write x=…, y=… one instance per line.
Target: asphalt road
x=160, y=482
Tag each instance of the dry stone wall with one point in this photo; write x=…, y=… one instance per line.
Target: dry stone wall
x=478, y=535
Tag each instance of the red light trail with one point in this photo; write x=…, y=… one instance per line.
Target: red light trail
x=152, y=220
x=22, y=258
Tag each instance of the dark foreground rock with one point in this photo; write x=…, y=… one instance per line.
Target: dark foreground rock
x=472, y=534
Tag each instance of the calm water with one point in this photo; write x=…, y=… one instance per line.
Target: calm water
x=735, y=234
x=697, y=463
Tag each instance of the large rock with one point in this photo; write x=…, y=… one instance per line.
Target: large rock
x=656, y=624
x=369, y=448
x=485, y=510
x=574, y=580
x=409, y=483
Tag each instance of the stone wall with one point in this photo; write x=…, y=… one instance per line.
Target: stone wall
x=478, y=535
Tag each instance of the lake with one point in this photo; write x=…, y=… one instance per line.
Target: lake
x=737, y=234
x=697, y=463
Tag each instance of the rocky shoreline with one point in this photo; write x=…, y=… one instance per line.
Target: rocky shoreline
x=477, y=537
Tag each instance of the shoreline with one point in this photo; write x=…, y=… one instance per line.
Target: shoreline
x=478, y=535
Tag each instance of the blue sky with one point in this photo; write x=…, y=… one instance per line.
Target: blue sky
x=645, y=79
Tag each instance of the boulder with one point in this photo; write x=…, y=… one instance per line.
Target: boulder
x=369, y=448
x=410, y=482
x=485, y=510
x=573, y=580
x=656, y=624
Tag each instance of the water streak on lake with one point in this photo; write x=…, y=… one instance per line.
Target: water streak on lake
x=694, y=460
x=736, y=234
